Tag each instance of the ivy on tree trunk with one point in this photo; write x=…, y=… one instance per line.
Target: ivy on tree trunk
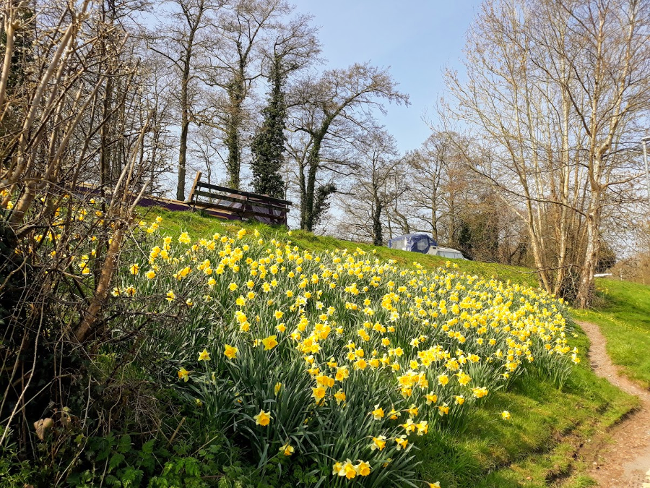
x=269, y=143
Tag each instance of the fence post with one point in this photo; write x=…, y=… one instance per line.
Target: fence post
x=190, y=197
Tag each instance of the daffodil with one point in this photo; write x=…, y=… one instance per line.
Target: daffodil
x=360, y=364
x=431, y=398
x=401, y=441
x=377, y=413
x=204, y=355
x=183, y=374
x=378, y=442
x=230, y=352
x=479, y=392
x=263, y=418
x=287, y=450
x=362, y=468
x=347, y=469
x=318, y=393
x=340, y=396
x=423, y=427
x=270, y=342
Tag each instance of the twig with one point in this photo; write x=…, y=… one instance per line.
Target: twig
x=176, y=431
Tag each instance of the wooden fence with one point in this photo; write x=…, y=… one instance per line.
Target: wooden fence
x=232, y=204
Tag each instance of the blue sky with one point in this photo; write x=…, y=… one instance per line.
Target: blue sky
x=417, y=39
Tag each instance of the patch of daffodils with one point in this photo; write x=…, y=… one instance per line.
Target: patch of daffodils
x=339, y=346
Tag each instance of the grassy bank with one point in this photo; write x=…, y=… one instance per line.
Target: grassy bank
x=536, y=449
x=177, y=222
x=623, y=313
x=535, y=446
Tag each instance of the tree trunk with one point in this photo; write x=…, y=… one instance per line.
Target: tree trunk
x=236, y=94
x=185, y=101
x=185, y=124
x=233, y=163
x=307, y=195
x=586, y=287
x=103, y=285
x=434, y=215
x=377, y=237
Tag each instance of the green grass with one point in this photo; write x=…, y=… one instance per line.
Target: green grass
x=404, y=258
x=535, y=447
x=623, y=314
x=176, y=222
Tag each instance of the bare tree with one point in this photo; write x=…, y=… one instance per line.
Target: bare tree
x=183, y=42
x=206, y=149
x=428, y=173
x=47, y=160
x=322, y=106
x=376, y=165
x=234, y=66
x=556, y=88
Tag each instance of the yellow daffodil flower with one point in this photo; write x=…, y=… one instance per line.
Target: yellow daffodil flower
x=378, y=443
x=270, y=342
x=263, y=418
x=230, y=352
x=287, y=450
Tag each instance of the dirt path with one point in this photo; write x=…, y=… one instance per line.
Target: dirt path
x=624, y=461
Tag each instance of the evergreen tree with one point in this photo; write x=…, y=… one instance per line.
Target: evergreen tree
x=268, y=144
x=321, y=202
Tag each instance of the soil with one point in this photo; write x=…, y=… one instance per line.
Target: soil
x=620, y=459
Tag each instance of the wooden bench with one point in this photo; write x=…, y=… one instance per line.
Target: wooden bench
x=232, y=204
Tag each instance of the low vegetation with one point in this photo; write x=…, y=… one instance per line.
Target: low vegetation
x=182, y=351
x=242, y=355
x=623, y=314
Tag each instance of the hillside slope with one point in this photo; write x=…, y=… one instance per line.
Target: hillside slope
x=623, y=314
x=535, y=447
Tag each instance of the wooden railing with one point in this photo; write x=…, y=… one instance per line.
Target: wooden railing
x=234, y=204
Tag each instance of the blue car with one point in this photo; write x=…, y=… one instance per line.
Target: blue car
x=418, y=242
x=425, y=244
